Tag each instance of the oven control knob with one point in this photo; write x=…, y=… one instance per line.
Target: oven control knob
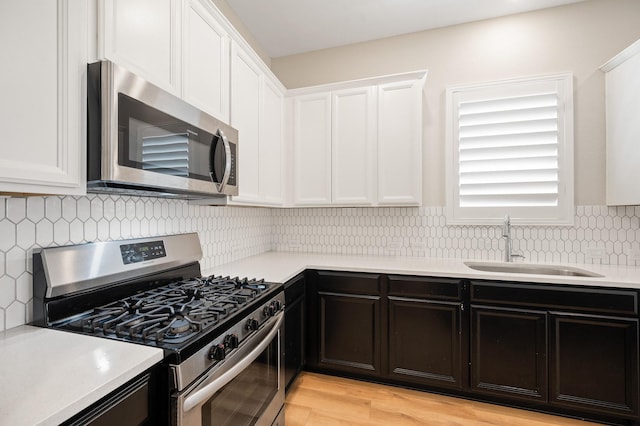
x=217, y=352
x=231, y=341
x=252, y=324
x=266, y=311
x=276, y=305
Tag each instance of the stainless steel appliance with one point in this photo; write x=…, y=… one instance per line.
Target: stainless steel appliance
x=143, y=140
x=223, y=338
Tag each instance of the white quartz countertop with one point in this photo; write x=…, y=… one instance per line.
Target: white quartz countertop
x=48, y=375
x=282, y=266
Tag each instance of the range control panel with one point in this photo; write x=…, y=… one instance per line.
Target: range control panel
x=141, y=252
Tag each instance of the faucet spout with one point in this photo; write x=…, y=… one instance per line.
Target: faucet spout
x=506, y=233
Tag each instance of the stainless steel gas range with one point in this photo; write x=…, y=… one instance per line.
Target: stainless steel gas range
x=222, y=337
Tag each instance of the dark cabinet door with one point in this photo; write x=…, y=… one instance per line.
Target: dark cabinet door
x=425, y=342
x=294, y=329
x=594, y=363
x=350, y=332
x=508, y=353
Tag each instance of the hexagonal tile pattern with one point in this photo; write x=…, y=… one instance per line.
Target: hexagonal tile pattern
x=592, y=239
x=607, y=235
x=26, y=224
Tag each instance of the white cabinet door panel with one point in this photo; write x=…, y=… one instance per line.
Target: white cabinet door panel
x=400, y=143
x=271, y=135
x=42, y=111
x=143, y=36
x=353, y=146
x=206, y=61
x=245, y=117
x=623, y=127
x=312, y=149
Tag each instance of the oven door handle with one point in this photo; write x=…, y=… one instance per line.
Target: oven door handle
x=201, y=396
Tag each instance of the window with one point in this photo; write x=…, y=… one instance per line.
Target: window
x=510, y=151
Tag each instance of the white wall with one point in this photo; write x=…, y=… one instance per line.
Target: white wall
x=577, y=38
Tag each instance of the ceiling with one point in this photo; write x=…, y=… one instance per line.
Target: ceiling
x=287, y=27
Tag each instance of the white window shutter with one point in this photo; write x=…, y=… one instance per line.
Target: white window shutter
x=510, y=150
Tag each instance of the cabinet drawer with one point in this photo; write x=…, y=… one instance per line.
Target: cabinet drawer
x=550, y=297
x=349, y=283
x=425, y=287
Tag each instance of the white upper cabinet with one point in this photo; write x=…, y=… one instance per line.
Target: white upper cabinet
x=312, y=149
x=271, y=142
x=205, y=52
x=257, y=112
x=43, y=106
x=623, y=126
x=144, y=37
x=400, y=143
x=358, y=143
x=245, y=117
x=353, y=146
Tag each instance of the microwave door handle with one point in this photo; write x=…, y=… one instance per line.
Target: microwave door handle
x=227, y=162
x=201, y=396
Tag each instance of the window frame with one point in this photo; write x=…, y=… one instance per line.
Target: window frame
x=564, y=212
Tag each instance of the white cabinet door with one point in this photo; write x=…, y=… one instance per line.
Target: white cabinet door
x=205, y=52
x=271, y=137
x=400, y=143
x=143, y=36
x=353, y=145
x=42, y=108
x=312, y=149
x=245, y=117
x=623, y=127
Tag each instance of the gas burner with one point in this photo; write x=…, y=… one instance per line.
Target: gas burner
x=179, y=326
x=173, y=312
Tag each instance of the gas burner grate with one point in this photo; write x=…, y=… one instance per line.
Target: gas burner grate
x=174, y=312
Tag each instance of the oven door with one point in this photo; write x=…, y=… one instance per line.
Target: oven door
x=246, y=389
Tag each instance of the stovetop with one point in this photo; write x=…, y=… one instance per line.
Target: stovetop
x=172, y=315
x=140, y=291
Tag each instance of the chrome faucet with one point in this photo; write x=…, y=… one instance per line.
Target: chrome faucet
x=506, y=233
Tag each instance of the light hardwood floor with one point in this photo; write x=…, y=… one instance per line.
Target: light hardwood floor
x=316, y=399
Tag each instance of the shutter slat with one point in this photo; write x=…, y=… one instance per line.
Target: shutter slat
x=499, y=177
x=509, y=188
x=537, y=138
x=508, y=103
x=520, y=200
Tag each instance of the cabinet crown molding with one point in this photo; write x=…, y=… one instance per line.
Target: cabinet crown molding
x=621, y=57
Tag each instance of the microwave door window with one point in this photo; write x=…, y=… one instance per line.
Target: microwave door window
x=159, y=149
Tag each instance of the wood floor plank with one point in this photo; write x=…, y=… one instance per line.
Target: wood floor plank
x=320, y=400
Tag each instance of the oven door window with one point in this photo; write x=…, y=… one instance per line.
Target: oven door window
x=243, y=400
x=151, y=140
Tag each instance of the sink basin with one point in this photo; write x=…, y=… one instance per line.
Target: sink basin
x=520, y=268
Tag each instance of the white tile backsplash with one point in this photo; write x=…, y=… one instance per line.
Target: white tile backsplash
x=608, y=235
x=601, y=234
x=226, y=234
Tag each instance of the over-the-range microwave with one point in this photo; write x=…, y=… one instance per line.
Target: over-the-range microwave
x=142, y=140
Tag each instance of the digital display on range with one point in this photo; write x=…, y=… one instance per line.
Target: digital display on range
x=141, y=252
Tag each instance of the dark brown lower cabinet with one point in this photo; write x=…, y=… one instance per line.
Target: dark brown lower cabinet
x=427, y=329
x=594, y=364
x=348, y=323
x=294, y=328
x=350, y=332
x=560, y=348
x=509, y=353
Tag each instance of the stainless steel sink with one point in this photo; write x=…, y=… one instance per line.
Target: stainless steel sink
x=520, y=268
